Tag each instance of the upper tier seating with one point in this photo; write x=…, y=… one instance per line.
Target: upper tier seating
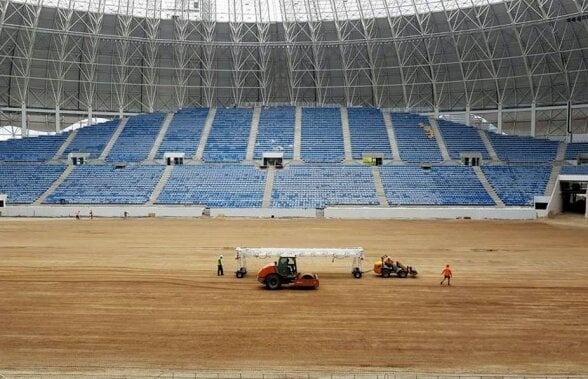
x=574, y=170
x=441, y=185
x=31, y=149
x=25, y=183
x=92, y=139
x=459, y=138
x=523, y=149
x=319, y=186
x=219, y=186
x=137, y=138
x=184, y=132
x=413, y=143
x=573, y=149
x=228, y=138
x=276, y=131
x=104, y=184
x=322, y=135
x=368, y=132
x=518, y=185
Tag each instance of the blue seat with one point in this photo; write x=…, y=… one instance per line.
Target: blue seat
x=518, y=185
x=276, y=131
x=368, y=132
x=322, y=135
x=413, y=143
x=229, y=136
x=184, y=132
x=137, y=138
x=92, y=139
x=24, y=183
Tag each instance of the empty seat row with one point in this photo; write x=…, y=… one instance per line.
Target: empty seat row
x=368, y=132
x=137, y=138
x=229, y=136
x=322, y=135
x=518, y=185
x=92, y=139
x=414, y=145
x=184, y=132
x=24, y=183
x=459, y=138
x=275, y=131
x=523, y=149
x=31, y=149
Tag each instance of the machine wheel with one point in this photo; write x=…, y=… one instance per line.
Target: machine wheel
x=239, y=274
x=272, y=282
x=402, y=274
x=385, y=273
x=357, y=274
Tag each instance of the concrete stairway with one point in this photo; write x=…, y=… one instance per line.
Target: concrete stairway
x=379, y=187
x=205, y=133
x=55, y=184
x=253, y=134
x=561, y=152
x=488, y=145
x=391, y=136
x=160, y=136
x=160, y=184
x=555, y=171
x=346, y=134
x=298, y=134
x=269, y=185
x=488, y=187
x=113, y=139
x=439, y=138
x=65, y=144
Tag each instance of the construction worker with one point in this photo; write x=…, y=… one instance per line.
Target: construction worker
x=219, y=271
x=446, y=275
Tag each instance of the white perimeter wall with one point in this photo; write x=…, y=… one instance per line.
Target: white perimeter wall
x=99, y=211
x=510, y=213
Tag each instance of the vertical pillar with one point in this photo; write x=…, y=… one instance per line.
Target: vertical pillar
x=89, y=116
x=120, y=113
x=467, y=115
x=499, y=122
x=533, y=121
x=437, y=112
x=23, y=120
x=569, y=134
x=57, y=120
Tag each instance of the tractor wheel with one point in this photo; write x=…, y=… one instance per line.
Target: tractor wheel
x=402, y=274
x=357, y=274
x=239, y=274
x=385, y=273
x=272, y=282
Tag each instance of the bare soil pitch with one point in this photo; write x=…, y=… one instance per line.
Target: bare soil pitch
x=144, y=294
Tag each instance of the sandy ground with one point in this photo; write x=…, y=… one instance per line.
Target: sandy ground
x=143, y=294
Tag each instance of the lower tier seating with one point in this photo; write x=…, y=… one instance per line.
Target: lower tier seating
x=23, y=184
x=518, y=185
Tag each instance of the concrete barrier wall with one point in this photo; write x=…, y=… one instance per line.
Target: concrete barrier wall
x=263, y=212
x=432, y=213
x=99, y=211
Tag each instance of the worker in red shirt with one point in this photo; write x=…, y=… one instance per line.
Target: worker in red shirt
x=446, y=275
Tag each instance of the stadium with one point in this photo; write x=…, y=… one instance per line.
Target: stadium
x=143, y=140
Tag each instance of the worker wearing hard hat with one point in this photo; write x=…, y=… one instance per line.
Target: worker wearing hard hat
x=446, y=275
x=219, y=271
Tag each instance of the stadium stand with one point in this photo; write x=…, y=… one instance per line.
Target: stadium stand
x=105, y=184
x=221, y=186
x=183, y=134
x=306, y=186
x=460, y=138
x=440, y=185
x=227, y=141
x=24, y=183
x=276, y=131
x=31, y=149
x=137, y=138
x=517, y=185
x=322, y=135
x=523, y=149
x=574, y=170
x=573, y=149
x=413, y=143
x=368, y=132
x=92, y=139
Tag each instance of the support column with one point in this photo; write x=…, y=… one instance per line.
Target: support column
x=436, y=113
x=121, y=113
x=89, y=116
x=23, y=120
x=533, y=121
x=57, y=120
x=467, y=115
x=499, y=122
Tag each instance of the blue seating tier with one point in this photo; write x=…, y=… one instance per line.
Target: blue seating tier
x=574, y=170
x=276, y=131
x=25, y=183
x=413, y=143
x=184, y=132
x=31, y=149
x=322, y=135
x=319, y=186
x=523, y=149
x=459, y=138
x=518, y=185
x=92, y=139
x=573, y=149
x=137, y=138
x=368, y=132
x=441, y=185
x=90, y=184
x=228, y=138
x=219, y=186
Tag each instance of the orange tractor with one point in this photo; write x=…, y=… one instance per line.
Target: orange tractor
x=285, y=272
x=386, y=267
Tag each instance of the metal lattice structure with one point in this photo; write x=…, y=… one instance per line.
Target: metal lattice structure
x=66, y=58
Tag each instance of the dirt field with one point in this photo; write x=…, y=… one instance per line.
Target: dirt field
x=144, y=294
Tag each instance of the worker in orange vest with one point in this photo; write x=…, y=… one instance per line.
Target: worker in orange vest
x=446, y=275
